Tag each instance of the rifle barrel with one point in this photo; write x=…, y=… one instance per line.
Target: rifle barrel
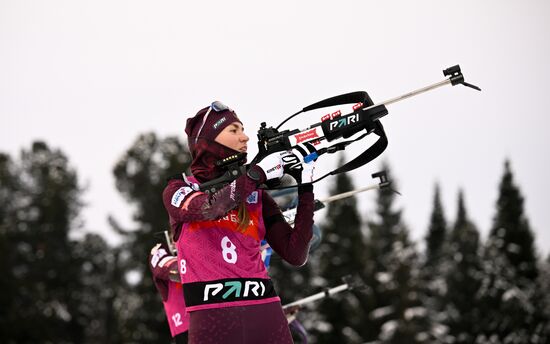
x=290, y=213
x=410, y=94
x=318, y=296
x=349, y=193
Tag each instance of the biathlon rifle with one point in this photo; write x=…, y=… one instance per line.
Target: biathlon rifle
x=350, y=283
x=319, y=204
x=290, y=213
x=365, y=117
x=173, y=274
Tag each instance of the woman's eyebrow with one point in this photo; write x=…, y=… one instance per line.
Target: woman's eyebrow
x=236, y=126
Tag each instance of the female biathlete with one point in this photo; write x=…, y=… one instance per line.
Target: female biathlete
x=228, y=293
x=164, y=268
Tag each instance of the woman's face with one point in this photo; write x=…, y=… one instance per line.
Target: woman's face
x=233, y=136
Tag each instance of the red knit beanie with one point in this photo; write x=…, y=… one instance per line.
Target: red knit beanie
x=208, y=123
x=201, y=131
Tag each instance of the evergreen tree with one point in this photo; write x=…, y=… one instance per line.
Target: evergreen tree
x=100, y=284
x=40, y=212
x=517, y=240
x=505, y=301
x=8, y=284
x=8, y=188
x=541, y=327
x=437, y=232
x=433, y=273
x=392, y=271
x=508, y=313
x=141, y=175
x=463, y=277
x=342, y=252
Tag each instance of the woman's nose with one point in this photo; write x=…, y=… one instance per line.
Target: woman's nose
x=245, y=138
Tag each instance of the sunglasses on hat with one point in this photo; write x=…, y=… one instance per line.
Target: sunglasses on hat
x=217, y=106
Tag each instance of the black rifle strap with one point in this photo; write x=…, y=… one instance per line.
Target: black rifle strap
x=352, y=97
x=368, y=155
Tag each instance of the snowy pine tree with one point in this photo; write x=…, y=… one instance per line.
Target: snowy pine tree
x=511, y=228
x=541, y=329
x=396, y=314
x=341, y=253
x=507, y=293
x=433, y=272
x=39, y=211
x=101, y=284
x=506, y=310
x=463, y=277
x=437, y=232
x=9, y=186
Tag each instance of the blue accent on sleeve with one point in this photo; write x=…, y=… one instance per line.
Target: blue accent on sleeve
x=268, y=252
x=267, y=257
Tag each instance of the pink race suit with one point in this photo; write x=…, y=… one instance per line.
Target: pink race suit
x=161, y=264
x=221, y=266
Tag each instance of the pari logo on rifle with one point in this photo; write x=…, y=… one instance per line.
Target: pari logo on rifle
x=341, y=122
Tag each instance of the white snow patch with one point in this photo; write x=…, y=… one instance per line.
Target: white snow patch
x=382, y=312
x=413, y=312
x=510, y=294
x=384, y=277
x=388, y=330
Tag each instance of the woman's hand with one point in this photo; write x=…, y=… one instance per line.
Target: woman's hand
x=294, y=163
x=291, y=162
x=272, y=165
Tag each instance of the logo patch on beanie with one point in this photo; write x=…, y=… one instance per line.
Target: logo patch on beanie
x=218, y=123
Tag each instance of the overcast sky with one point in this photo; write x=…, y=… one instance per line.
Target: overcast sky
x=89, y=76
